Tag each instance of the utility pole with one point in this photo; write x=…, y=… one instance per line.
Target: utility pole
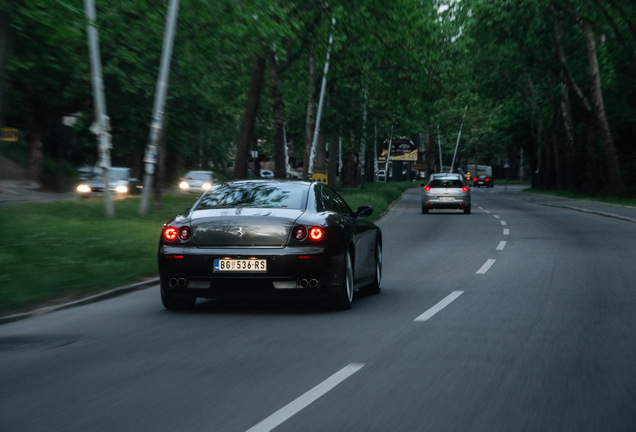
x=152, y=153
x=461, y=125
x=101, y=125
x=314, y=143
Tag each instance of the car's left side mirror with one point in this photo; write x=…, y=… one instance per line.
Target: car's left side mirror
x=364, y=211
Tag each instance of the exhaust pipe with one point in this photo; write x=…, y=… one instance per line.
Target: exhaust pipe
x=172, y=282
x=182, y=282
x=303, y=283
x=313, y=283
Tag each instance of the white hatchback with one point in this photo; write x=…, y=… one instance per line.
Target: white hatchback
x=448, y=192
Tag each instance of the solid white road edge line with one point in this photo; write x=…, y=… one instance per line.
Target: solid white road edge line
x=306, y=399
x=486, y=266
x=439, y=306
x=502, y=245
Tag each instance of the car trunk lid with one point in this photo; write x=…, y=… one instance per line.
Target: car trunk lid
x=243, y=227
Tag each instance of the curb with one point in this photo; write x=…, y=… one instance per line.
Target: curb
x=584, y=210
x=82, y=301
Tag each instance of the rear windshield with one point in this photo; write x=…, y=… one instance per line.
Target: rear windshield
x=255, y=195
x=440, y=183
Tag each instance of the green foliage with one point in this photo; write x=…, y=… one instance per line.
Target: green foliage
x=413, y=66
x=49, y=48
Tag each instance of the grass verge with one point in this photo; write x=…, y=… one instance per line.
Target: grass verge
x=70, y=249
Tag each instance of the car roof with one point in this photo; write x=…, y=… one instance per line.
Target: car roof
x=446, y=175
x=272, y=181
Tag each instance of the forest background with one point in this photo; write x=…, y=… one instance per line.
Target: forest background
x=545, y=88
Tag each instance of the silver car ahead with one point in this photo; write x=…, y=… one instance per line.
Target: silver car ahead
x=446, y=193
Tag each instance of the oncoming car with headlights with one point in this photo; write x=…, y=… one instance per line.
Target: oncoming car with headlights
x=196, y=181
x=269, y=238
x=120, y=182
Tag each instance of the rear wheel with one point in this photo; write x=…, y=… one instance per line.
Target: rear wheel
x=467, y=210
x=424, y=209
x=172, y=302
x=344, y=296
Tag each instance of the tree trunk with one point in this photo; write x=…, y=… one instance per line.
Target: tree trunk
x=614, y=178
x=557, y=172
x=278, y=119
x=332, y=163
x=537, y=123
x=5, y=32
x=310, y=119
x=570, y=150
x=36, y=151
x=350, y=171
x=591, y=174
x=248, y=123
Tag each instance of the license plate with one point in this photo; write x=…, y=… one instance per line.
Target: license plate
x=240, y=265
x=446, y=199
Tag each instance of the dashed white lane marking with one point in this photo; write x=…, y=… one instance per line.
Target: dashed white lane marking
x=439, y=306
x=486, y=266
x=504, y=223
x=305, y=400
x=502, y=245
x=496, y=216
x=506, y=231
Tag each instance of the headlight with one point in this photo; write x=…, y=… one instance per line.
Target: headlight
x=84, y=188
x=121, y=189
x=184, y=185
x=206, y=185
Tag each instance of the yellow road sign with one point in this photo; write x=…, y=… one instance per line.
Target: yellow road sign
x=319, y=177
x=9, y=135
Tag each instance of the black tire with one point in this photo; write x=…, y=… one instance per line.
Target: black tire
x=374, y=288
x=171, y=302
x=424, y=209
x=344, y=296
x=467, y=210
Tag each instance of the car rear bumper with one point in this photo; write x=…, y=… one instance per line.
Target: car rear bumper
x=437, y=203
x=294, y=272
x=447, y=205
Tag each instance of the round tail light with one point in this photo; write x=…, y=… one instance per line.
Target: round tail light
x=300, y=233
x=316, y=233
x=184, y=233
x=170, y=233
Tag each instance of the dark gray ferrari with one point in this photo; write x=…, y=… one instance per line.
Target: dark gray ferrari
x=269, y=238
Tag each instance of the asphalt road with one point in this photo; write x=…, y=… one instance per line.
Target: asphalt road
x=517, y=317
